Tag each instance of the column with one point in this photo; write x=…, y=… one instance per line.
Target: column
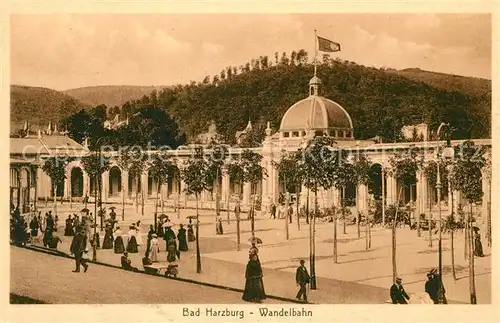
x=105, y=186
x=86, y=184
x=144, y=186
x=457, y=201
x=418, y=201
x=124, y=179
x=336, y=197
x=362, y=199
x=391, y=190
x=183, y=195
x=40, y=187
x=225, y=187
x=246, y=193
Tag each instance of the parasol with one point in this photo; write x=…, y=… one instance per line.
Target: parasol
x=168, y=224
x=255, y=240
x=85, y=210
x=112, y=207
x=191, y=217
x=163, y=216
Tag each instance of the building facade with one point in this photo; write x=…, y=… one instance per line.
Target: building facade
x=306, y=119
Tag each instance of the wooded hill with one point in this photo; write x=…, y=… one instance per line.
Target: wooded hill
x=380, y=102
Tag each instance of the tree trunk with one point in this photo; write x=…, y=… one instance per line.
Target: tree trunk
x=123, y=200
x=99, y=180
x=394, y=221
x=287, y=236
x=217, y=211
x=94, y=245
x=369, y=233
x=466, y=239
x=367, y=224
x=136, y=195
x=297, y=207
x=307, y=207
x=252, y=216
x=237, y=214
x=472, y=278
x=335, y=237
x=198, y=256
x=228, y=215
x=158, y=188
x=313, y=243
x=430, y=222
x=452, y=251
x=55, y=199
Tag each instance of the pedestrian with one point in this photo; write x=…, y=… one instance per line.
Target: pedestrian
x=46, y=236
x=253, y=251
x=478, y=245
x=254, y=289
x=127, y=263
x=290, y=213
x=218, y=227
x=49, y=222
x=150, y=236
x=119, y=246
x=398, y=294
x=154, y=248
x=169, y=234
x=78, y=246
x=132, y=241
x=190, y=231
x=302, y=278
x=431, y=288
x=273, y=211
x=138, y=235
x=172, y=251
x=107, y=243
x=54, y=240
x=181, y=236
x=34, y=225
x=437, y=282
x=68, y=230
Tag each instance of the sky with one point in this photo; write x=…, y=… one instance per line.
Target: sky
x=64, y=51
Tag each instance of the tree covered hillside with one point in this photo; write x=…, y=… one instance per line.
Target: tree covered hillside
x=379, y=102
x=39, y=106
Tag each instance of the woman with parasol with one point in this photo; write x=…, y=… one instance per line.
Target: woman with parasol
x=181, y=236
x=190, y=231
x=254, y=289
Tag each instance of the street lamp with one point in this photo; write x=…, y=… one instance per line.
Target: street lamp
x=447, y=152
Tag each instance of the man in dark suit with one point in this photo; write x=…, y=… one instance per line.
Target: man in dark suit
x=302, y=278
x=398, y=294
x=77, y=248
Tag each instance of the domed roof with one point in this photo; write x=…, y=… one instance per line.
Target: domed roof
x=315, y=112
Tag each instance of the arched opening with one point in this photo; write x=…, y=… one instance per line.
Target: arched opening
x=59, y=189
x=14, y=186
x=133, y=182
x=375, y=186
x=152, y=185
x=115, y=181
x=235, y=188
x=348, y=194
x=76, y=182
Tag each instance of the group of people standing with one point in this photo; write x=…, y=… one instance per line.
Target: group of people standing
x=48, y=225
x=281, y=212
x=432, y=289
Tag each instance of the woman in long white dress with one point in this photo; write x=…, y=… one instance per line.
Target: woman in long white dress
x=138, y=235
x=154, y=248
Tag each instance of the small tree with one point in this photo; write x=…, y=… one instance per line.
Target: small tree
x=215, y=168
x=466, y=178
x=95, y=165
x=363, y=176
x=136, y=169
x=290, y=174
x=194, y=174
x=124, y=161
x=318, y=164
x=161, y=168
x=236, y=173
x=253, y=172
x=404, y=169
x=55, y=167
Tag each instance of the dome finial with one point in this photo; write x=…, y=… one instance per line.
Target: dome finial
x=314, y=84
x=268, y=129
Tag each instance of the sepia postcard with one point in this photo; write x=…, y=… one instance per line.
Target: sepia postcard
x=232, y=166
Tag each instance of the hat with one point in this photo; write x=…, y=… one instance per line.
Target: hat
x=125, y=252
x=154, y=235
x=433, y=271
x=398, y=279
x=86, y=250
x=302, y=261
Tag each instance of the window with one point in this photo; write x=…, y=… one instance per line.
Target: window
x=295, y=134
x=286, y=134
x=303, y=133
x=318, y=133
x=348, y=134
x=340, y=133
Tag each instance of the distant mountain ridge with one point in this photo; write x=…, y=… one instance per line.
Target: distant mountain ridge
x=110, y=95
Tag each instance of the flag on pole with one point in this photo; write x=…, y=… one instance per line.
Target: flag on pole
x=326, y=45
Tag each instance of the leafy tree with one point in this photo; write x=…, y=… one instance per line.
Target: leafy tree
x=290, y=174
x=363, y=176
x=162, y=168
x=467, y=179
x=319, y=163
x=137, y=167
x=404, y=167
x=100, y=112
x=194, y=174
x=253, y=173
x=55, y=168
x=237, y=174
x=215, y=169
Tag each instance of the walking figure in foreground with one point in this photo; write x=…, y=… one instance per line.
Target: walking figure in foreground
x=254, y=289
x=77, y=248
x=302, y=278
x=398, y=294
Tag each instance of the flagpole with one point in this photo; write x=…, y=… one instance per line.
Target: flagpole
x=315, y=51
